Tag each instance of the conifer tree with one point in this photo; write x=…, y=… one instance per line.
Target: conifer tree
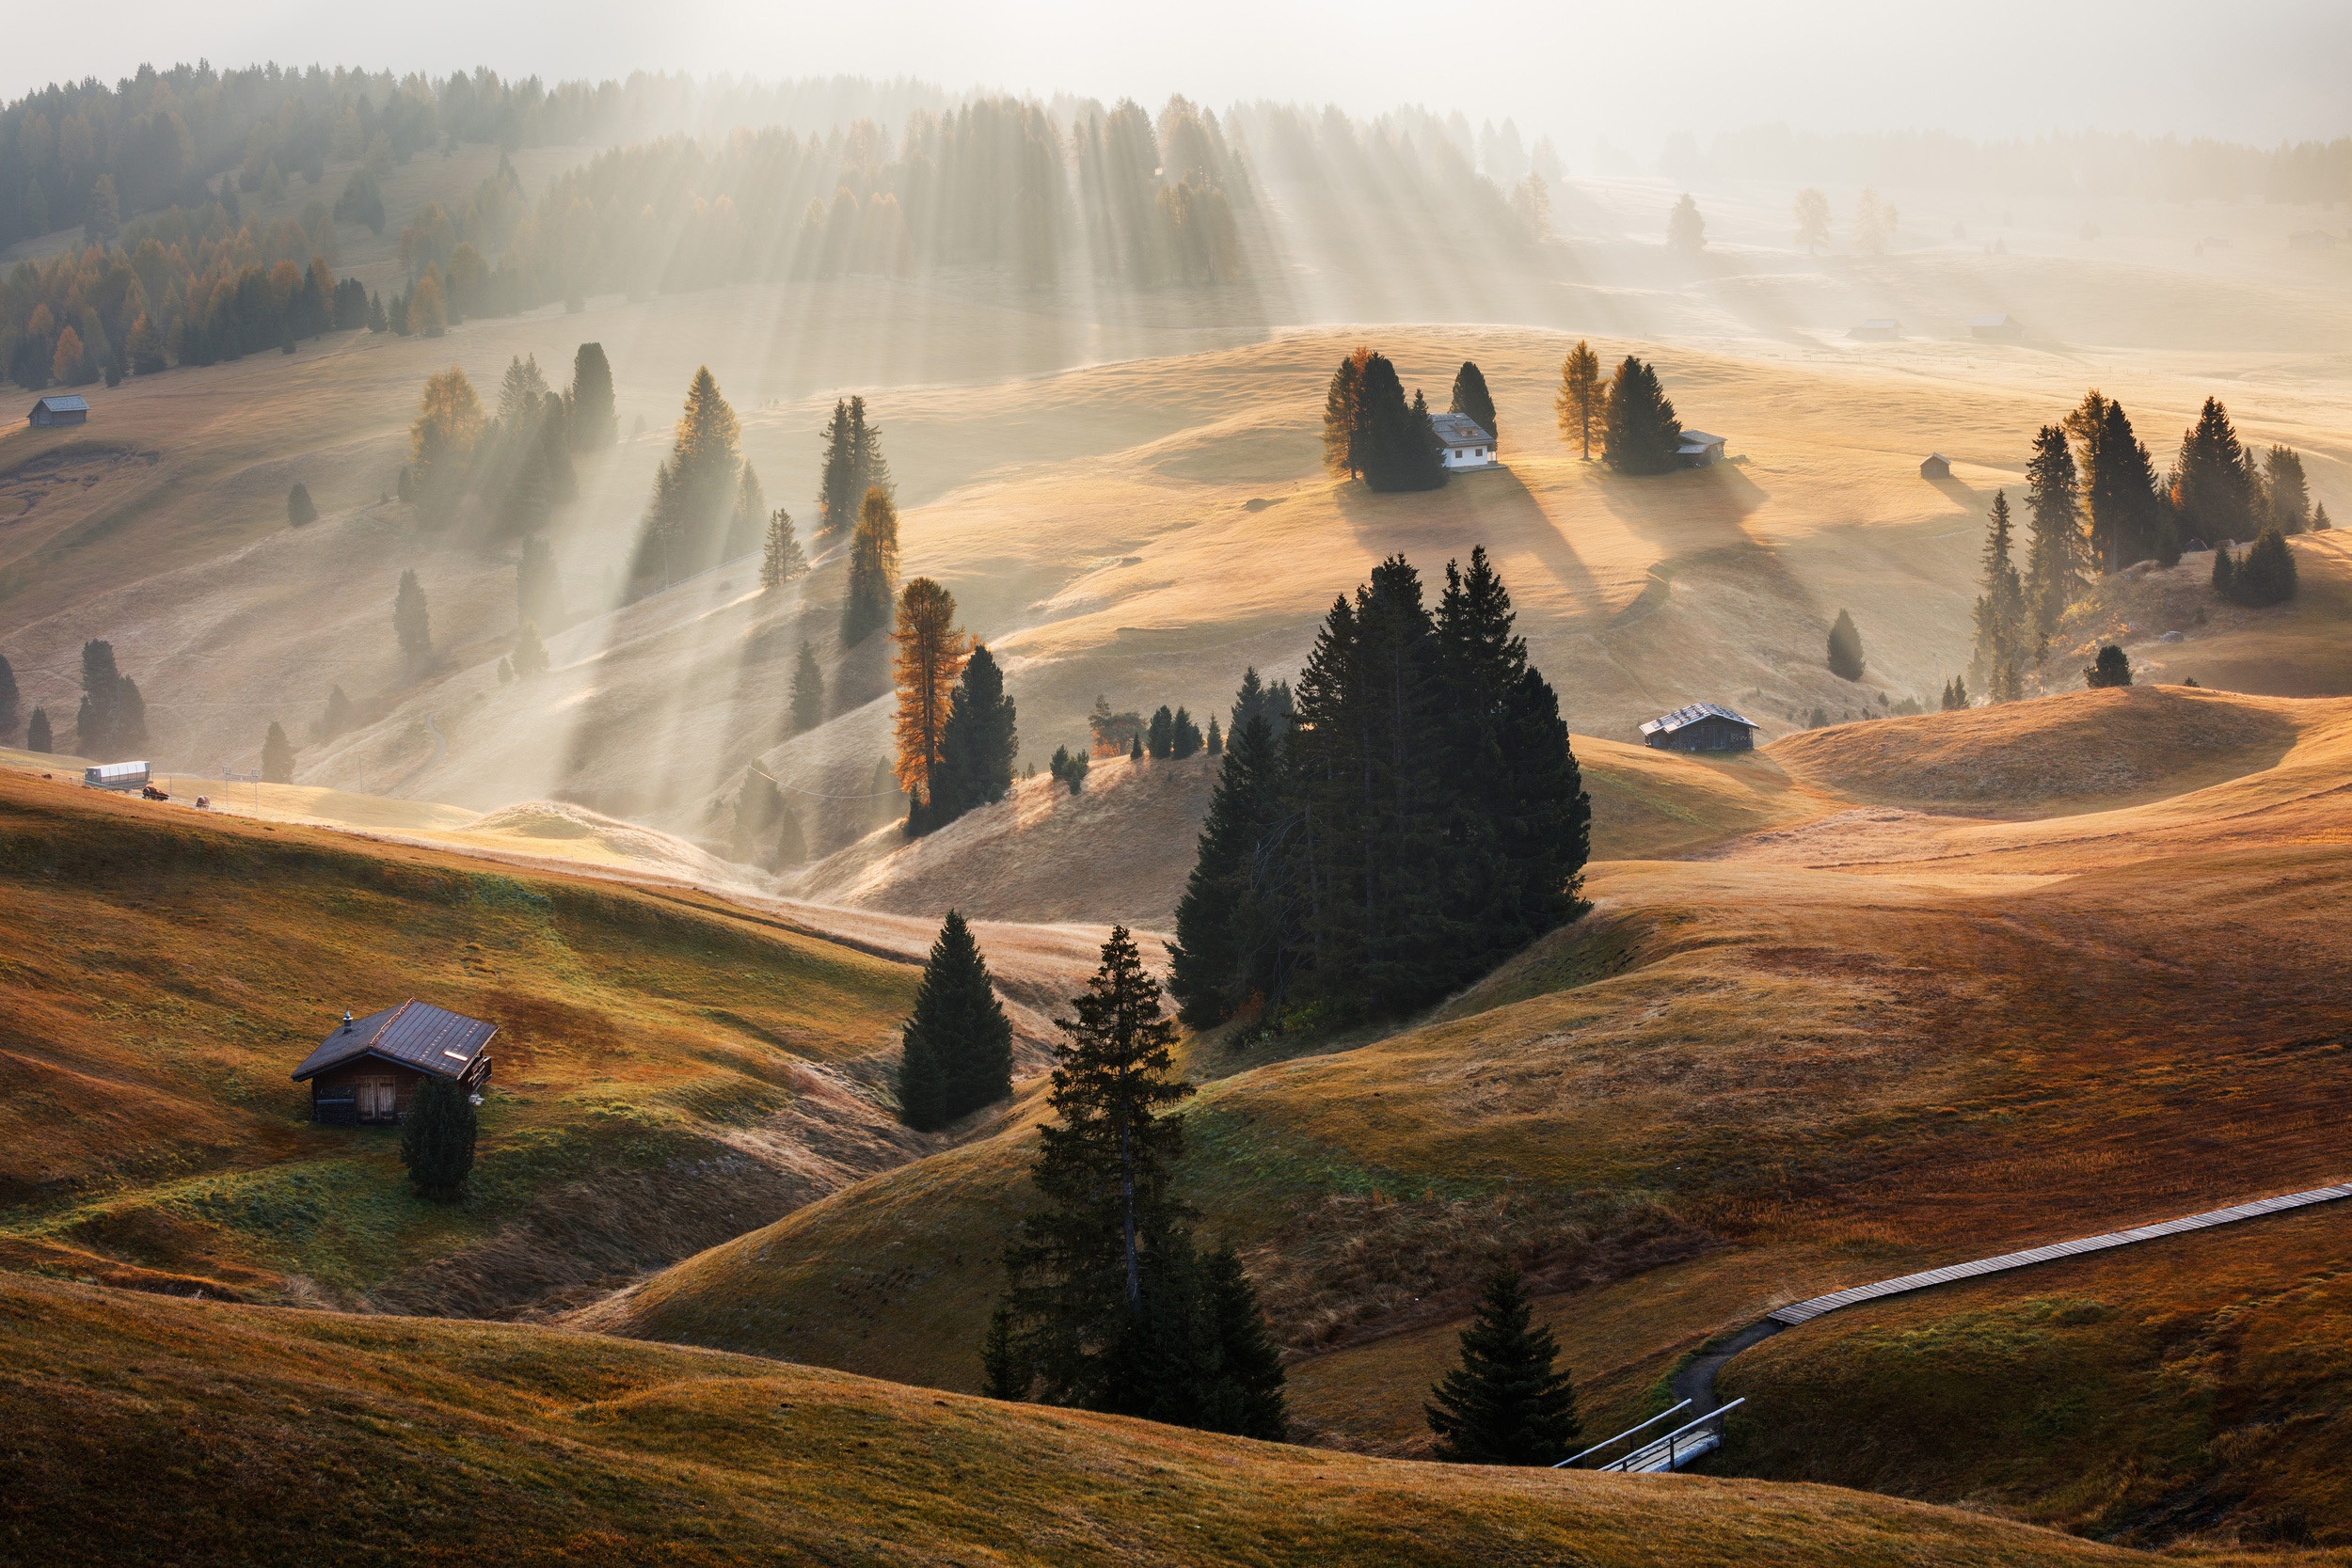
x=1134, y=751
x=2117, y=483
x=2111, y=668
x=958, y=1042
x=1505, y=1404
x=1184, y=736
x=2319, y=517
x=1217, y=741
x=2210, y=486
x=931, y=656
x=436, y=1137
x=112, y=722
x=809, y=690
x=865, y=606
x=2053, y=561
x=852, y=465
x=299, y=507
x=36, y=736
x=278, y=755
x=1340, y=416
x=685, y=526
x=780, y=560
x=792, y=844
x=1470, y=397
x=1395, y=447
x=411, y=620
x=2000, y=612
x=9, y=700
x=2290, y=493
x=976, y=750
x=2266, y=576
x=1845, y=649
x=1578, y=403
x=1640, y=433
x=591, y=421
x=1255, y=699
x=1685, y=231
x=1231, y=922
x=530, y=653
x=2224, y=574
x=1159, y=740
x=1069, y=767
x=747, y=528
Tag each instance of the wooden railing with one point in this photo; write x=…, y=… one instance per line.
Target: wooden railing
x=1670, y=1451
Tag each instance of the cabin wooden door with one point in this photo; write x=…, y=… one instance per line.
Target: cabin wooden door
x=378, y=1099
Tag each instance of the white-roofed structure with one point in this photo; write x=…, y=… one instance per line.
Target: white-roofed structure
x=1699, y=448
x=1466, y=443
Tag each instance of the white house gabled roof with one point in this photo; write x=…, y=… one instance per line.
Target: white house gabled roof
x=1683, y=717
x=1459, y=430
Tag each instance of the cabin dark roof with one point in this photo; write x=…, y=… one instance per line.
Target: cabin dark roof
x=1682, y=717
x=1459, y=430
x=415, y=1034
x=63, y=402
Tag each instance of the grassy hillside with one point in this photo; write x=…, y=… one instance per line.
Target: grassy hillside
x=665, y=1075
x=150, y=1429
x=1742, y=1081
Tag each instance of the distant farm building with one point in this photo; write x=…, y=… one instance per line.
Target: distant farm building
x=366, y=1071
x=1999, y=330
x=1467, y=445
x=1935, y=467
x=1700, y=727
x=1878, y=329
x=1699, y=448
x=55, y=410
x=133, y=776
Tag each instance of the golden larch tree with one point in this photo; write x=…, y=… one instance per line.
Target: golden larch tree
x=931, y=657
x=1578, y=400
x=441, y=440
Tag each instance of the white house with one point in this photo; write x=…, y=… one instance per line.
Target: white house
x=1699, y=448
x=1466, y=445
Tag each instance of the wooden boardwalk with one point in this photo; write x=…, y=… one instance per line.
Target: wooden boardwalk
x=1804, y=1311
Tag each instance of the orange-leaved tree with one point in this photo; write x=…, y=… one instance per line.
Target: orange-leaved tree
x=931, y=656
x=442, y=440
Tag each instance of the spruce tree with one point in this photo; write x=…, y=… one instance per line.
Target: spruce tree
x=2000, y=612
x=836, y=502
x=1845, y=649
x=791, y=844
x=300, y=509
x=1640, y=432
x=278, y=755
x=2053, y=561
x=436, y=1137
x=591, y=421
x=1216, y=740
x=1470, y=397
x=866, y=607
x=112, y=722
x=1505, y=1404
x=2266, y=576
x=1069, y=768
x=1184, y=735
x=958, y=1042
x=1230, y=921
x=2290, y=493
x=758, y=807
x=809, y=690
x=981, y=740
x=36, y=736
x=10, y=698
x=2224, y=574
x=2111, y=668
x=1396, y=449
x=780, y=559
x=2209, y=478
x=2319, y=517
x=2117, y=483
x=695, y=490
x=412, y=622
x=1160, y=739
x=1580, y=401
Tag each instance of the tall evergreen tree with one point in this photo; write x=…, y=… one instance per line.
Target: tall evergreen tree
x=2290, y=493
x=1470, y=397
x=278, y=755
x=1395, y=447
x=686, y=522
x=112, y=722
x=1159, y=740
x=780, y=559
x=931, y=656
x=590, y=419
x=436, y=1137
x=1254, y=699
x=1216, y=739
x=1580, y=401
x=2267, y=575
x=2117, y=483
x=1640, y=433
x=958, y=1042
x=976, y=750
x=2000, y=612
x=1340, y=416
x=747, y=526
x=1506, y=1403
x=9, y=700
x=1235, y=925
x=1184, y=736
x=412, y=622
x=873, y=570
x=1811, y=212
x=852, y=465
x=2209, y=478
x=38, y=738
x=758, y=810
x=1845, y=648
x=809, y=690
x=2053, y=561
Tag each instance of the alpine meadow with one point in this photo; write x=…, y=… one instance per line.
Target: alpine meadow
x=1000, y=786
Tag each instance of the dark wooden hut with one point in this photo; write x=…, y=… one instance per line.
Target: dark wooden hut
x=1700, y=727
x=368, y=1069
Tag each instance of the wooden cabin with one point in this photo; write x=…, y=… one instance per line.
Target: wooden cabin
x=57, y=409
x=1935, y=465
x=1700, y=727
x=366, y=1071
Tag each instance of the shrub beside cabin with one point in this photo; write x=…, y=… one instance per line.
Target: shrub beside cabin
x=368, y=1069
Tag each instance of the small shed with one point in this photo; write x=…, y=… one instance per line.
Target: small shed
x=1935, y=465
x=1699, y=448
x=131, y=776
x=366, y=1071
x=1466, y=443
x=1995, y=329
x=1878, y=329
x=58, y=409
x=1700, y=727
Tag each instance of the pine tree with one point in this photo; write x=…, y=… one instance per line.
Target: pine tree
x=436, y=1137
x=36, y=736
x=958, y=1042
x=1685, y=231
x=10, y=698
x=591, y=421
x=2054, y=562
x=1231, y=922
x=112, y=722
x=1340, y=416
x=1002, y=1376
x=1845, y=649
x=1216, y=740
x=975, y=750
x=2000, y=612
x=411, y=621
x=781, y=561
x=299, y=508
x=2117, y=483
x=873, y=565
x=686, y=523
x=1470, y=397
x=2224, y=574
x=1579, y=401
x=1246, y=1399
x=2266, y=576
x=1506, y=1403
x=1396, y=448
x=2290, y=493
x=530, y=653
x=1640, y=433
x=852, y=465
x=1075, y=1268
x=2210, y=486
x=538, y=585
x=809, y=690
x=931, y=656
x=1270, y=700
x=1159, y=742
x=1069, y=767
x=278, y=755
x=2319, y=517
x=1183, y=738
x=2111, y=668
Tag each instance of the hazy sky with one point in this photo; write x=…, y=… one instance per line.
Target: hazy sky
x=2260, y=70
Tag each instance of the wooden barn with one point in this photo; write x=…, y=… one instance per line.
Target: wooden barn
x=1700, y=727
x=1935, y=465
x=366, y=1071
x=59, y=409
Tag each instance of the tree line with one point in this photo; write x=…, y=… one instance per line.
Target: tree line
x=1418, y=819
